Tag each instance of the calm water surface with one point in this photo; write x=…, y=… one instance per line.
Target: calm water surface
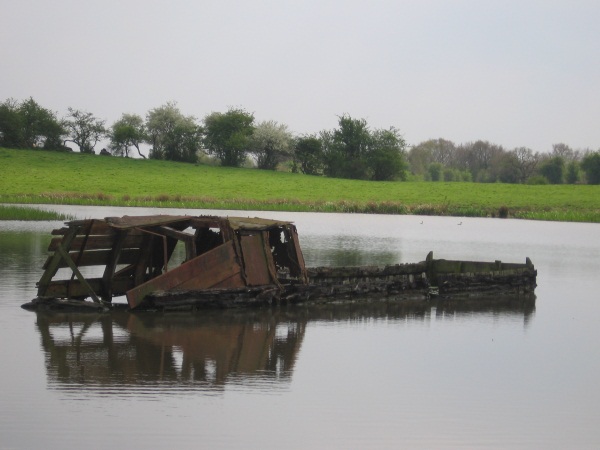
x=511, y=375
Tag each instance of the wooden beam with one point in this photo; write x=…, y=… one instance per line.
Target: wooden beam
x=171, y=232
x=53, y=263
x=65, y=256
x=111, y=265
x=98, y=258
x=74, y=289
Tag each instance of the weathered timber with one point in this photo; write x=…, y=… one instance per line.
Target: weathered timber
x=396, y=283
x=214, y=298
x=204, y=272
x=231, y=262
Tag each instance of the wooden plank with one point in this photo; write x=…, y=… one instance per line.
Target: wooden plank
x=109, y=271
x=269, y=257
x=75, y=289
x=80, y=277
x=235, y=280
x=205, y=222
x=146, y=221
x=207, y=274
x=201, y=272
x=299, y=257
x=142, y=265
x=53, y=263
x=171, y=232
x=99, y=242
x=256, y=265
x=60, y=231
x=187, y=238
x=127, y=271
x=100, y=227
x=97, y=258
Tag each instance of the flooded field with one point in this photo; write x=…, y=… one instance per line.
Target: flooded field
x=445, y=375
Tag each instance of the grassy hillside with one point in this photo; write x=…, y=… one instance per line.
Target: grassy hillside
x=29, y=176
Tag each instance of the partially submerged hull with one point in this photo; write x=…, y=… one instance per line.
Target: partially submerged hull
x=239, y=262
x=424, y=281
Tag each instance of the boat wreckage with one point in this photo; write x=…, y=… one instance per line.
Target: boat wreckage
x=227, y=262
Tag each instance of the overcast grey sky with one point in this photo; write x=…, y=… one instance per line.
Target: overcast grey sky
x=514, y=72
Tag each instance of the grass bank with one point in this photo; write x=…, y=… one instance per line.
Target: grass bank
x=71, y=178
x=10, y=212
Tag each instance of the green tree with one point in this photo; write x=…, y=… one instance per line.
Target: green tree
x=506, y=168
x=345, y=149
x=227, y=135
x=466, y=176
x=439, y=150
x=591, y=166
x=565, y=152
x=442, y=150
x=129, y=131
x=478, y=157
x=526, y=163
x=450, y=174
x=160, y=124
x=308, y=155
x=28, y=125
x=435, y=171
x=419, y=158
x=186, y=142
x=572, y=175
x=354, y=151
x=11, y=128
x=84, y=129
x=173, y=136
x=553, y=169
x=271, y=144
x=41, y=128
x=386, y=156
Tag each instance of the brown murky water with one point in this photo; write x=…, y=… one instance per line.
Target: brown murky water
x=511, y=375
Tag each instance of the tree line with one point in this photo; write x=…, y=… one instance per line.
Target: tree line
x=481, y=161
x=233, y=138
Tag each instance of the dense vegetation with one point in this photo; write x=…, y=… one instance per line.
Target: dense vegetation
x=74, y=178
x=352, y=150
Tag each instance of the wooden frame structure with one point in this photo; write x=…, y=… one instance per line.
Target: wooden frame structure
x=134, y=255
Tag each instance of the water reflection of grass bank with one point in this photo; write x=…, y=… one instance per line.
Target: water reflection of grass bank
x=62, y=178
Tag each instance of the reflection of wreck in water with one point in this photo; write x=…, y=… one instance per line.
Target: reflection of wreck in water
x=208, y=350
x=120, y=349
x=232, y=261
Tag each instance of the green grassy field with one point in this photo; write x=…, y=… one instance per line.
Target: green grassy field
x=29, y=176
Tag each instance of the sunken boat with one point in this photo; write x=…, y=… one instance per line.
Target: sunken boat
x=228, y=262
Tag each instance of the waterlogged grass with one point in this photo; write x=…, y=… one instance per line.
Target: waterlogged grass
x=9, y=212
x=73, y=178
